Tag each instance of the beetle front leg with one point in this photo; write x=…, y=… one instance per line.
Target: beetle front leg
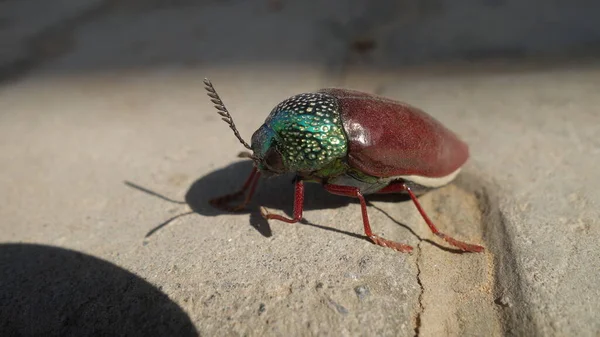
x=399, y=187
x=251, y=182
x=298, y=205
x=355, y=192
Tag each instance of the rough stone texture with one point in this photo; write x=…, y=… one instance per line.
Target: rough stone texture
x=112, y=135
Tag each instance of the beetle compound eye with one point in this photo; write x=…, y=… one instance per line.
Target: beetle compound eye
x=274, y=161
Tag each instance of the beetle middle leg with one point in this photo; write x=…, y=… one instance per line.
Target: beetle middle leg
x=401, y=187
x=355, y=192
x=251, y=182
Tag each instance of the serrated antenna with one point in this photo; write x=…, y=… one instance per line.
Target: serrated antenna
x=222, y=110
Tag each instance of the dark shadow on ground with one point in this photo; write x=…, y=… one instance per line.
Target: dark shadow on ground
x=274, y=193
x=50, y=291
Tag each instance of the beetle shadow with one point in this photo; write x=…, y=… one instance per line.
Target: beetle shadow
x=274, y=193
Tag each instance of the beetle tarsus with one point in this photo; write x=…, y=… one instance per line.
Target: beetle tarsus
x=403, y=248
x=298, y=206
x=466, y=247
x=270, y=216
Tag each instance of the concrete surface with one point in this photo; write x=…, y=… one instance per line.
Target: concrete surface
x=105, y=140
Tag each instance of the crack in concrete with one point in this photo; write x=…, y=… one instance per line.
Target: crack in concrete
x=420, y=298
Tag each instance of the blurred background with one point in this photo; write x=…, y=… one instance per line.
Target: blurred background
x=116, y=35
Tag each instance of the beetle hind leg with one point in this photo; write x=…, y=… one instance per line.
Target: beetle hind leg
x=402, y=187
x=355, y=192
x=467, y=247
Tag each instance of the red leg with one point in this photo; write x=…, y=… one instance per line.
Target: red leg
x=251, y=183
x=298, y=206
x=355, y=192
x=399, y=187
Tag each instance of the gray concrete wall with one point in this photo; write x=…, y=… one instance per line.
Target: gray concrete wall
x=393, y=33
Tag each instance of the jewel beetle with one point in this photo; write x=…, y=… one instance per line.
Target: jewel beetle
x=354, y=144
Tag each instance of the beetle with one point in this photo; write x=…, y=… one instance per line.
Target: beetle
x=354, y=144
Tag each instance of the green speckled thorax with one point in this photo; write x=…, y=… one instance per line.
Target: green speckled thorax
x=309, y=131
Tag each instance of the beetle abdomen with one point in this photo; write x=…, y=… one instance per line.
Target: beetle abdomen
x=387, y=138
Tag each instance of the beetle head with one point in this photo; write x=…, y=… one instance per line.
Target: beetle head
x=267, y=157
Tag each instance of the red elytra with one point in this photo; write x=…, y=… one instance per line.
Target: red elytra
x=386, y=139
